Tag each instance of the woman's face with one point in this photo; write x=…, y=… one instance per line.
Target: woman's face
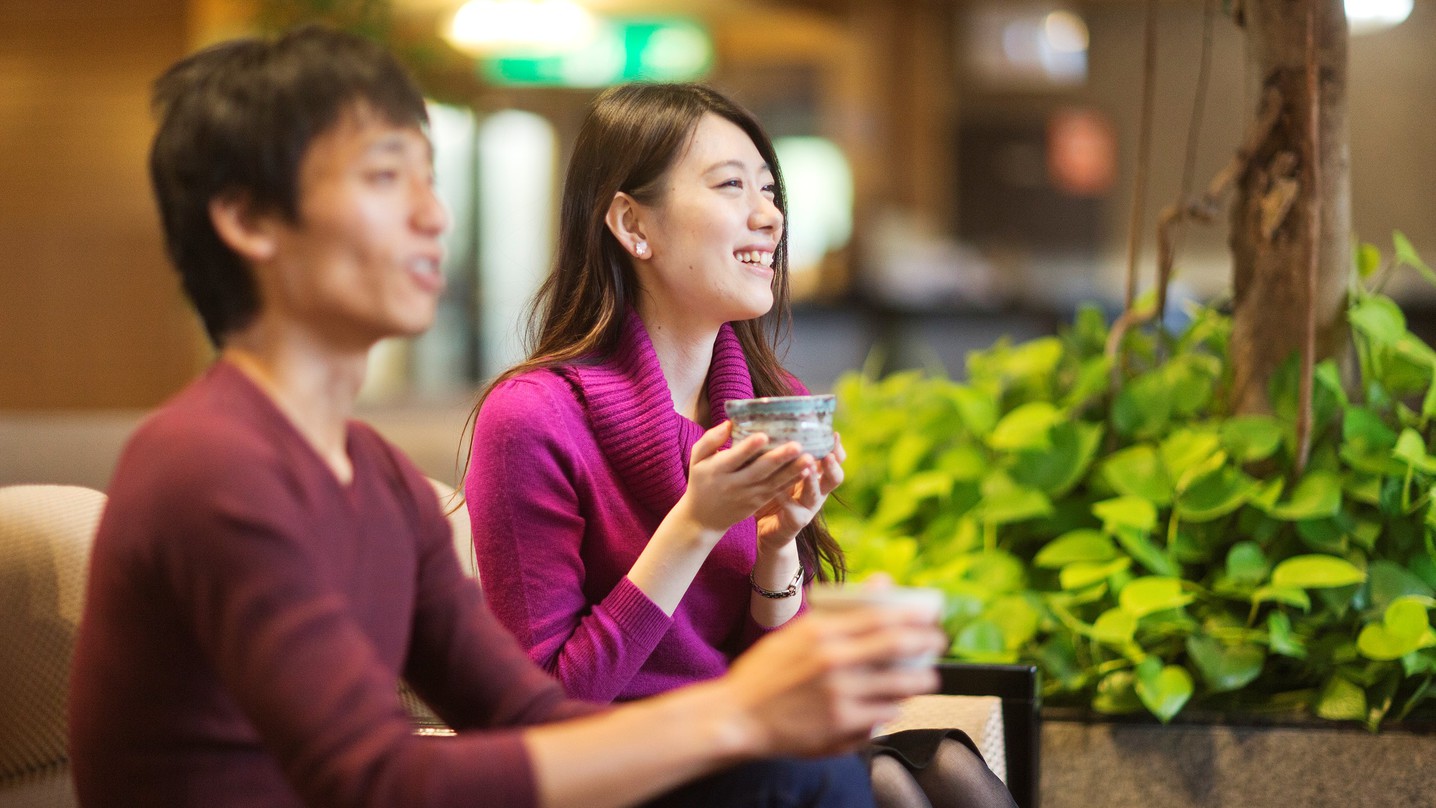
x=712, y=232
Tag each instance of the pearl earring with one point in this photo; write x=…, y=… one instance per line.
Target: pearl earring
x=641, y=247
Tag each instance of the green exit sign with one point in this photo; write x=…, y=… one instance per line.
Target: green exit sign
x=667, y=49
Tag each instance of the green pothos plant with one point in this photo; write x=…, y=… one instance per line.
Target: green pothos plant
x=1148, y=549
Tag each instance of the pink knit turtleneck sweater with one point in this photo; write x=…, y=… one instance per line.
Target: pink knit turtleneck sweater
x=571, y=473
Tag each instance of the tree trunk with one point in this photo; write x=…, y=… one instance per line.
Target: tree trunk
x=1270, y=234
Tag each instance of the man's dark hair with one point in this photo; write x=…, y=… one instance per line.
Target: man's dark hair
x=236, y=119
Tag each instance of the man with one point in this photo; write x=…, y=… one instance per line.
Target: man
x=267, y=568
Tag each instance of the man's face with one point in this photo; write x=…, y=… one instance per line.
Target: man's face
x=362, y=261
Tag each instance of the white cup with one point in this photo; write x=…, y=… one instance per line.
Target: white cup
x=927, y=601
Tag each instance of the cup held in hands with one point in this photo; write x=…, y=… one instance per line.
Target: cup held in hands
x=805, y=419
x=925, y=600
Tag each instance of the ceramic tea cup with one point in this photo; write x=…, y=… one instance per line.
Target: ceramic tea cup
x=805, y=419
x=927, y=601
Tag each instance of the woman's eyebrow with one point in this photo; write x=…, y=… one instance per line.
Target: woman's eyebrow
x=733, y=164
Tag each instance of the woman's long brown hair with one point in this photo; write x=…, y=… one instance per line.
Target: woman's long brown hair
x=633, y=134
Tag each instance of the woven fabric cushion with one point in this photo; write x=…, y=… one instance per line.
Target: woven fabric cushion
x=45, y=536
x=979, y=716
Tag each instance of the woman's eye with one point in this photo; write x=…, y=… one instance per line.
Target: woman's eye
x=382, y=176
x=771, y=191
x=735, y=183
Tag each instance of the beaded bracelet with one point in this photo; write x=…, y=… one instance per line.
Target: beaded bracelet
x=777, y=594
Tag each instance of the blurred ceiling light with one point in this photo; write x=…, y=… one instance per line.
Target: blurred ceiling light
x=1039, y=44
x=487, y=27
x=1365, y=16
x=1065, y=32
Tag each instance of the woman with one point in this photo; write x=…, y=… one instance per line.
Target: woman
x=623, y=570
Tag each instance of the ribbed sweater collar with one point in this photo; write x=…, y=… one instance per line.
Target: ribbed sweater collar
x=632, y=415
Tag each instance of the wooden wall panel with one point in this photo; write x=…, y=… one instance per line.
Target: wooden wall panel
x=90, y=311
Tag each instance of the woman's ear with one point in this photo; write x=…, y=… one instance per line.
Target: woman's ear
x=624, y=223
x=242, y=228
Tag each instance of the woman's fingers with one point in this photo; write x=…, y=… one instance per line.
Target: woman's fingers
x=832, y=474
x=711, y=441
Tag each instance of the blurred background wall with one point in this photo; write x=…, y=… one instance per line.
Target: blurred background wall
x=989, y=190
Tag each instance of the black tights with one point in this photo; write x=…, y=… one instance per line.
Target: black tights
x=956, y=778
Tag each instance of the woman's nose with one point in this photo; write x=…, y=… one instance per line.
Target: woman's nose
x=766, y=215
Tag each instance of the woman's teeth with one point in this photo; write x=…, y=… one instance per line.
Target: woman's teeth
x=754, y=257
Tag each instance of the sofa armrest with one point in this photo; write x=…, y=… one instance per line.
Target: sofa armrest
x=1019, y=688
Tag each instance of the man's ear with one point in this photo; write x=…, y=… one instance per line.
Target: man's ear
x=624, y=223
x=243, y=228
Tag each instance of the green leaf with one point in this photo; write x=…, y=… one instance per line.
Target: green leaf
x=907, y=452
x=1341, y=700
x=1137, y=471
x=1004, y=501
x=1411, y=450
x=980, y=641
x=1091, y=382
x=1025, y=427
x=1390, y=581
x=1192, y=378
x=1144, y=406
x=1081, y=574
x=1017, y=619
x=1281, y=639
x=1378, y=318
x=1064, y=463
x=996, y=572
x=1141, y=548
x=1117, y=694
x=964, y=462
x=1215, y=495
x=1368, y=260
x=1149, y=594
x=1366, y=441
x=1126, y=511
x=1225, y=667
x=1249, y=438
x=1246, y=563
x=977, y=410
x=1317, y=495
x=1082, y=544
x=1163, y=690
x=1289, y=595
x=1187, y=453
x=1034, y=359
x=1115, y=627
x=1428, y=404
x=1315, y=572
x=1406, y=254
x=1404, y=628
x=1267, y=494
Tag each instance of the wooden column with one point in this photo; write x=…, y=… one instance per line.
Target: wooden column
x=91, y=315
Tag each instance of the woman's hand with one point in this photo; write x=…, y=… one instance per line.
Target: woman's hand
x=780, y=519
x=726, y=486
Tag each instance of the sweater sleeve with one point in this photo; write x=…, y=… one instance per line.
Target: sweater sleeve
x=522, y=490
x=287, y=648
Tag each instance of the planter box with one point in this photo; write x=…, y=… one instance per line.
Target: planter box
x=1089, y=761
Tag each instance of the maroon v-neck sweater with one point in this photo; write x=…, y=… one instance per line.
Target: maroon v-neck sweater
x=248, y=616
